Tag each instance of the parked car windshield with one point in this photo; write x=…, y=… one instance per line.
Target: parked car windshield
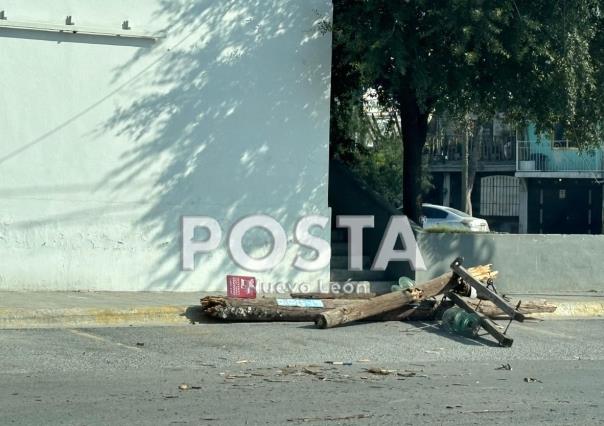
x=457, y=212
x=434, y=213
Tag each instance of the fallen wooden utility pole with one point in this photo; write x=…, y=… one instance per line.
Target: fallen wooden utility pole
x=269, y=309
x=527, y=307
x=483, y=291
x=385, y=303
x=266, y=309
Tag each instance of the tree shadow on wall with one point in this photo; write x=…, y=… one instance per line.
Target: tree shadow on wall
x=440, y=249
x=214, y=127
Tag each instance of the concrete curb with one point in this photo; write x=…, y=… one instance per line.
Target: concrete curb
x=22, y=318
x=575, y=309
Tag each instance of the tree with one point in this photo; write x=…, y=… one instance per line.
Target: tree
x=369, y=143
x=471, y=131
x=539, y=61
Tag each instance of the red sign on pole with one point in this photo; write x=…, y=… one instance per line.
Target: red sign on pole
x=241, y=287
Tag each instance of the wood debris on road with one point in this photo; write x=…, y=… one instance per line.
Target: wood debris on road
x=425, y=301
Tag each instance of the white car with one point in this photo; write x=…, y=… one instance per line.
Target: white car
x=434, y=216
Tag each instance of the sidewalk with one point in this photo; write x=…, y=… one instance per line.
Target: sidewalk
x=571, y=305
x=94, y=309
x=98, y=309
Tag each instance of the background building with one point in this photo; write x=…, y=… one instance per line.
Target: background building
x=120, y=117
x=524, y=183
x=561, y=188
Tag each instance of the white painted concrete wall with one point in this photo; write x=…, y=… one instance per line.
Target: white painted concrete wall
x=105, y=143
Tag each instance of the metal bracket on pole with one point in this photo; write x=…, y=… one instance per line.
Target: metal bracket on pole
x=484, y=292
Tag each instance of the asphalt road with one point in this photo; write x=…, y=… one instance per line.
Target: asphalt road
x=277, y=374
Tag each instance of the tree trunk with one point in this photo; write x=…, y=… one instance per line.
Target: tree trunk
x=414, y=123
x=465, y=171
x=473, y=165
x=470, y=158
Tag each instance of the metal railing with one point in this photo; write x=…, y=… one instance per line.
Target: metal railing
x=546, y=156
x=497, y=149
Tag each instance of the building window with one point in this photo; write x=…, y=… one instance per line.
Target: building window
x=499, y=196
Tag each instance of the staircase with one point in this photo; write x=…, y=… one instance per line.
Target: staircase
x=348, y=195
x=365, y=280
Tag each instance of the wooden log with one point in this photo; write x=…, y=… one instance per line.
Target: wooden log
x=483, y=272
x=385, y=303
x=423, y=311
x=255, y=310
x=526, y=307
x=430, y=311
x=265, y=309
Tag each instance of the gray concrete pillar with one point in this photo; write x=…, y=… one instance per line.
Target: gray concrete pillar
x=522, y=206
x=602, y=209
x=447, y=189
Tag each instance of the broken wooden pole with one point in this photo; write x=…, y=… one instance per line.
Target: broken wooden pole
x=265, y=309
x=528, y=307
x=425, y=310
x=483, y=292
x=385, y=303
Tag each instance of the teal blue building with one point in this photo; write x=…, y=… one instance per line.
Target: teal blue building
x=561, y=185
x=525, y=183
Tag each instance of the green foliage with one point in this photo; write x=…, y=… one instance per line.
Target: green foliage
x=380, y=165
x=374, y=151
x=539, y=61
